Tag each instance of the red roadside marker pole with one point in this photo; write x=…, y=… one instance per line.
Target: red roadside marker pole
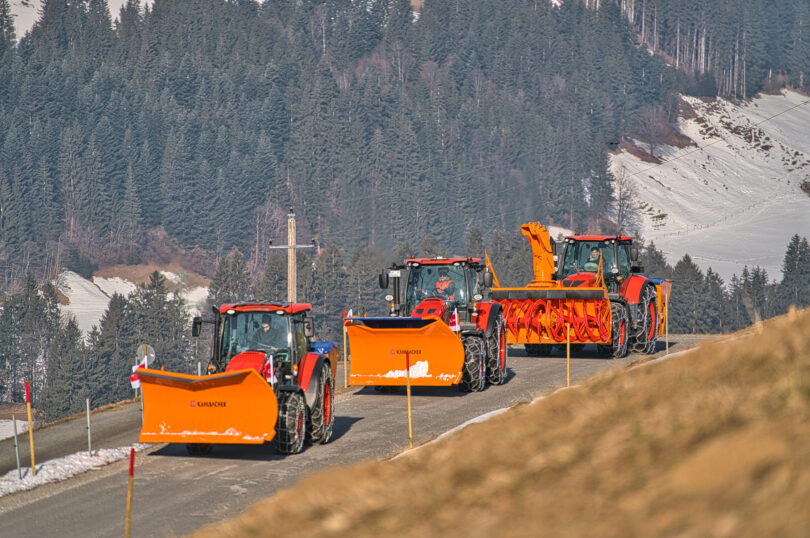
x=30, y=429
x=129, y=489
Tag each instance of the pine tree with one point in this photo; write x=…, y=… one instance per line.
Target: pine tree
x=65, y=391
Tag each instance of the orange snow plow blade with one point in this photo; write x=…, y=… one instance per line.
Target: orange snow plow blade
x=378, y=345
x=229, y=408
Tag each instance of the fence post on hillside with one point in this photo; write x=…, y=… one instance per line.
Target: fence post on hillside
x=16, y=447
x=89, y=443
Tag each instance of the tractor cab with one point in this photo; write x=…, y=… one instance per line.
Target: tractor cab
x=580, y=258
x=269, y=338
x=436, y=287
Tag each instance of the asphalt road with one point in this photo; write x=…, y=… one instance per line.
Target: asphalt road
x=175, y=494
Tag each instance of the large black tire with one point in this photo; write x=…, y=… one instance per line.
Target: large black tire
x=497, y=352
x=321, y=416
x=619, y=322
x=645, y=332
x=576, y=348
x=473, y=378
x=199, y=449
x=291, y=426
x=538, y=350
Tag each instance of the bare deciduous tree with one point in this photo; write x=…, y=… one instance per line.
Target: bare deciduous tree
x=626, y=211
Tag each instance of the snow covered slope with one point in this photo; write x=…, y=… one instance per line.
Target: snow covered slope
x=734, y=198
x=88, y=299
x=26, y=15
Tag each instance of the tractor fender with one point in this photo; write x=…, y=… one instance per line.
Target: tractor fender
x=631, y=288
x=488, y=316
x=309, y=374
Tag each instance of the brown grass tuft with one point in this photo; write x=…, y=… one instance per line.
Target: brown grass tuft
x=709, y=443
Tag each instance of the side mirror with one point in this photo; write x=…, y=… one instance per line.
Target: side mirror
x=384, y=281
x=634, y=253
x=309, y=328
x=196, y=326
x=487, y=279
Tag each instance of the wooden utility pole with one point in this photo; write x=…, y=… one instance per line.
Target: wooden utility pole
x=291, y=247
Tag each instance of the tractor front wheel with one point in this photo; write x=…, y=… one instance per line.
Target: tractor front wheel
x=646, y=327
x=291, y=426
x=321, y=418
x=496, y=354
x=473, y=377
x=618, y=334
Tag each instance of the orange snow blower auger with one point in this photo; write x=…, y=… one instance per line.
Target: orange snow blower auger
x=588, y=287
x=266, y=381
x=437, y=315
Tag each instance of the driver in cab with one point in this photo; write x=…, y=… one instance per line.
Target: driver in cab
x=445, y=288
x=266, y=337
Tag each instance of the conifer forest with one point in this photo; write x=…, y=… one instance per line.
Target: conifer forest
x=190, y=128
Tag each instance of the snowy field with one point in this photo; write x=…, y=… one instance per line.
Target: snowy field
x=88, y=299
x=7, y=428
x=734, y=199
x=62, y=468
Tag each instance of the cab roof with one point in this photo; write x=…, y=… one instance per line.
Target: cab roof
x=598, y=237
x=439, y=260
x=288, y=308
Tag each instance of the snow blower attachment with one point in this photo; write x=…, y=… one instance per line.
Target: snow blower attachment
x=264, y=382
x=439, y=318
x=596, y=293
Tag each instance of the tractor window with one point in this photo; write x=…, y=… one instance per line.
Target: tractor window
x=299, y=341
x=444, y=281
x=584, y=256
x=260, y=331
x=624, y=260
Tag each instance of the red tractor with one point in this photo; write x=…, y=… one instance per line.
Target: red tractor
x=594, y=293
x=438, y=319
x=266, y=380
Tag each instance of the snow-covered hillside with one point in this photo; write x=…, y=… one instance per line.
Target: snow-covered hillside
x=88, y=299
x=26, y=14
x=733, y=199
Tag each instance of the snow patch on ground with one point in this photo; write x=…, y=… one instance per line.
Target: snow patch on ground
x=7, y=428
x=63, y=468
x=734, y=199
x=88, y=300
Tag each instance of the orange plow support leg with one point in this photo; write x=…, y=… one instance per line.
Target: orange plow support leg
x=378, y=347
x=228, y=408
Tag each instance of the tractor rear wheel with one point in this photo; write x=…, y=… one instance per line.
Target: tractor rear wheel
x=473, y=377
x=291, y=426
x=321, y=418
x=646, y=328
x=618, y=334
x=496, y=354
x=538, y=350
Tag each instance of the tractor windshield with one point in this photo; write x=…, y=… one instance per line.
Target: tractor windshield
x=584, y=256
x=448, y=282
x=259, y=331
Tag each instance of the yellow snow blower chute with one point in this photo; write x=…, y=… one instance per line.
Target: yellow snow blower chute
x=438, y=323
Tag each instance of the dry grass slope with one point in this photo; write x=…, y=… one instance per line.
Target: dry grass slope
x=715, y=442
